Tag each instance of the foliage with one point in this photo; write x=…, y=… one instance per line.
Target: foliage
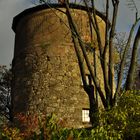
x=125, y=117
x=52, y=130
x=5, y=92
x=121, y=122
x=130, y=105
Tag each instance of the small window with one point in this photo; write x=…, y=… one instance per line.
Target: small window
x=85, y=115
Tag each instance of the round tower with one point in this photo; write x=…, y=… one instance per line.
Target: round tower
x=46, y=76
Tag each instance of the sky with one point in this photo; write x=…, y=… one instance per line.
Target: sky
x=10, y=8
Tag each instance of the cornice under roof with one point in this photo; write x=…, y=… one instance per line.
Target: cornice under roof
x=17, y=18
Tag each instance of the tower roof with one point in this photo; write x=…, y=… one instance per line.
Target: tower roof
x=45, y=6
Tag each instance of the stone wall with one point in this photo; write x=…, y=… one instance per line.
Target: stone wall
x=46, y=73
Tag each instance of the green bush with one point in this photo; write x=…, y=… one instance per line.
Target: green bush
x=120, y=123
x=129, y=104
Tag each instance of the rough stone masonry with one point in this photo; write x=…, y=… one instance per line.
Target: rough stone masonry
x=46, y=76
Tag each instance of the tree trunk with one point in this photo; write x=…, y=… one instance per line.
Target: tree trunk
x=130, y=77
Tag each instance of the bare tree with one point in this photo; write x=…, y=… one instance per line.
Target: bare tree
x=112, y=92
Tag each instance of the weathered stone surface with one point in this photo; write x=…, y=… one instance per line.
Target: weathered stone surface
x=46, y=73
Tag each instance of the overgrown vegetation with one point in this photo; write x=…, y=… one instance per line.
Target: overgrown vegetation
x=5, y=93
x=121, y=122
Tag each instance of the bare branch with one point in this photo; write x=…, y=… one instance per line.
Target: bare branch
x=130, y=77
x=85, y=55
x=124, y=59
x=79, y=56
x=111, y=36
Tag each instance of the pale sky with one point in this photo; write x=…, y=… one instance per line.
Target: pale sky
x=10, y=8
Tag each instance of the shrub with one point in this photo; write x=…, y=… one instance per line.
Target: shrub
x=121, y=122
x=125, y=117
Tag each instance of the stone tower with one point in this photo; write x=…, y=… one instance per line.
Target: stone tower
x=46, y=76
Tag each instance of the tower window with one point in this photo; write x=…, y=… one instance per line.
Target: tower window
x=85, y=115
